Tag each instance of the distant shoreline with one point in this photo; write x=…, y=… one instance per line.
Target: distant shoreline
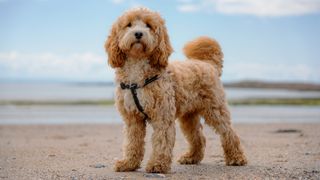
x=250, y=101
x=101, y=94
x=301, y=86
x=275, y=85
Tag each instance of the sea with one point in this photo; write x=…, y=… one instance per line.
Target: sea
x=88, y=114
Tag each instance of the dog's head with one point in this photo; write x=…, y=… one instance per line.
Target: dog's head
x=140, y=34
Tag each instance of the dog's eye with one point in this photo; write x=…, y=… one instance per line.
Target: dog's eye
x=129, y=25
x=148, y=26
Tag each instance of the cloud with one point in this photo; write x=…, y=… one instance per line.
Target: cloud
x=262, y=8
x=189, y=8
x=92, y=67
x=75, y=66
x=128, y=3
x=271, y=72
x=117, y=1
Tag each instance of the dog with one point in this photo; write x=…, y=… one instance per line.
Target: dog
x=151, y=90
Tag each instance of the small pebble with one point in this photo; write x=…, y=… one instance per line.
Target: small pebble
x=307, y=153
x=98, y=166
x=151, y=175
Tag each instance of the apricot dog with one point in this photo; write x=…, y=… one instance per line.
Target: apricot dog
x=151, y=90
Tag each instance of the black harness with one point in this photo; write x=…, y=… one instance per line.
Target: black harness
x=133, y=88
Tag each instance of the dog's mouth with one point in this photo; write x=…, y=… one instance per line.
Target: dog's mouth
x=138, y=46
x=138, y=49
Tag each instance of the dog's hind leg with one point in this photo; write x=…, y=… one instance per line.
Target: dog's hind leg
x=135, y=131
x=192, y=130
x=219, y=119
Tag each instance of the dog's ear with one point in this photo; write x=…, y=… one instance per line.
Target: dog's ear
x=116, y=57
x=160, y=55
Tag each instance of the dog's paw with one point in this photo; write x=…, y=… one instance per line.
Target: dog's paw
x=157, y=168
x=124, y=165
x=189, y=159
x=239, y=161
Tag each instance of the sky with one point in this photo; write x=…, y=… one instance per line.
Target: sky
x=59, y=40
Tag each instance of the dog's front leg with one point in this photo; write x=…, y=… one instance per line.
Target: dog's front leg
x=135, y=131
x=163, y=139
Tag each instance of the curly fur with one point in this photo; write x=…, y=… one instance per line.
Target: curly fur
x=185, y=91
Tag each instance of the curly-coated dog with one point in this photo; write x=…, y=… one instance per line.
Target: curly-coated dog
x=149, y=89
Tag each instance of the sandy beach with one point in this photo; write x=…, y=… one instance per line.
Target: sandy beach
x=51, y=138
x=290, y=151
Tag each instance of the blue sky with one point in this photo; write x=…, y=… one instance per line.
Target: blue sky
x=58, y=40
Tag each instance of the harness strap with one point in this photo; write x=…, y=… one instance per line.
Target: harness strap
x=133, y=89
x=150, y=80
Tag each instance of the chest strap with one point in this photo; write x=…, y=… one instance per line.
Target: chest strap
x=133, y=88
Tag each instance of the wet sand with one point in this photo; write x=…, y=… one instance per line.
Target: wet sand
x=93, y=114
x=89, y=151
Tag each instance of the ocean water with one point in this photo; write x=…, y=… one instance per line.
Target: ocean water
x=63, y=91
x=54, y=91
x=10, y=114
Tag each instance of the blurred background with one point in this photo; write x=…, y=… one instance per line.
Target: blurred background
x=53, y=67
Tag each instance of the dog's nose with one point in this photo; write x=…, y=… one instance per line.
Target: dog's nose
x=138, y=35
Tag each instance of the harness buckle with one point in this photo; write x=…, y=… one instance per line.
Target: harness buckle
x=124, y=86
x=134, y=86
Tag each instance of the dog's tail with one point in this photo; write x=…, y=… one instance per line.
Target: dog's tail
x=205, y=49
